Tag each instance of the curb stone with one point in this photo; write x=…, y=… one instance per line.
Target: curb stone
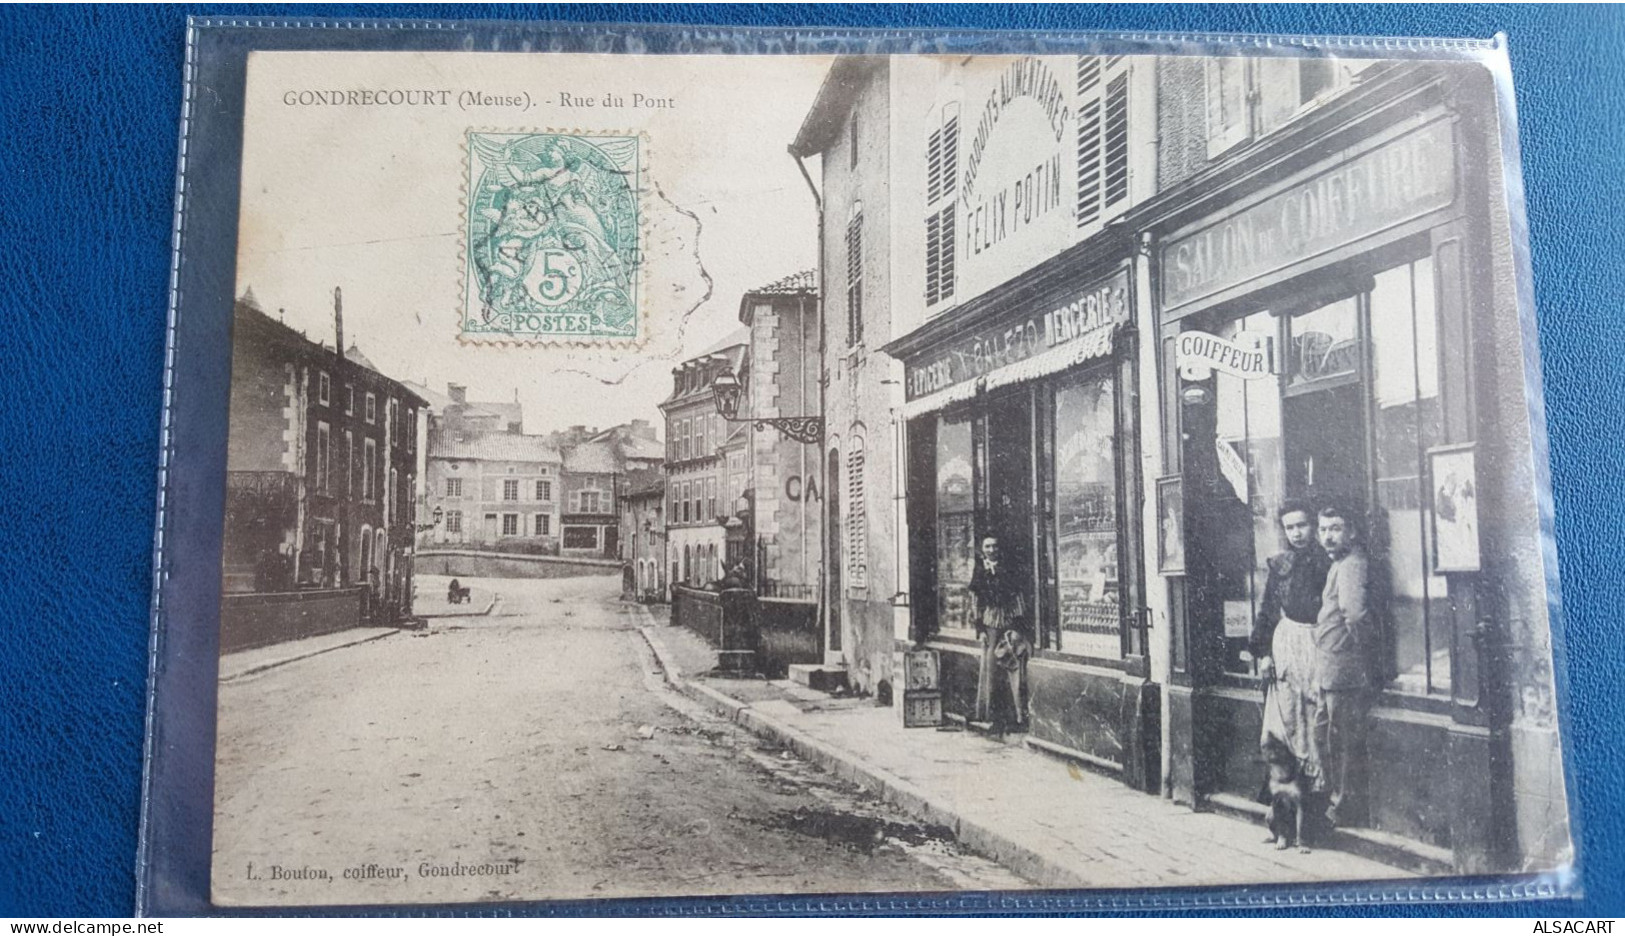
x=1041, y=869
x=273, y=664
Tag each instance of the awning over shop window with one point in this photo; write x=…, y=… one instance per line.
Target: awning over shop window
x=1094, y=345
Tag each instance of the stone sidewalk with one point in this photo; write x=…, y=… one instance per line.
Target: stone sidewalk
x=258, y=660
x=1049, y=820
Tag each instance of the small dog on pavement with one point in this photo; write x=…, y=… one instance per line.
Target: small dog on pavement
x=457, y=593
x=1288, y=786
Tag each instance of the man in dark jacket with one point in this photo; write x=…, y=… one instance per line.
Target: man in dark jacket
x=1346, y=635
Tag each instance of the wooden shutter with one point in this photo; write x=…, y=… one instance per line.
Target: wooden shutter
x=854, y=279
x=1115, y=138
x=941, y=175
x=1103, y=137
x=857, y=527
x=1089, y=168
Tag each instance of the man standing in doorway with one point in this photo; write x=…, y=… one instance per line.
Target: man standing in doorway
x=1345, y=635
x=999, y=610
x=1283, y=636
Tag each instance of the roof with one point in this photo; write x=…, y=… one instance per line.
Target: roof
x=437, y=401
x=643, y=482
x=505, y=412
x=591, y=458
x=494, y=446
x=354, y=354
x=800, y=284
x=730, y=350
x=288, y=337
x=827, y=116
x=637, y=447
x=739, y=337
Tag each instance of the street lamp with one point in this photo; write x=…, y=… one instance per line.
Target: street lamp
x=725, y=391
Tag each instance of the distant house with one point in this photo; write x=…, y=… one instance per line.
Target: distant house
x=592, y=473
x=495, y=490
x=643, y=535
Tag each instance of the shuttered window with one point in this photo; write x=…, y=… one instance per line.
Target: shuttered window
x=857, y=520
x=854, y=279
x=1103, y=137
x=941, y=187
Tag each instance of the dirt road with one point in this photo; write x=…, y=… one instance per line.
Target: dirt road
x=531, y=753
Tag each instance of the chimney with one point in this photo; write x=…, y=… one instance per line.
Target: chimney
x=338, y=319
x=457, y=392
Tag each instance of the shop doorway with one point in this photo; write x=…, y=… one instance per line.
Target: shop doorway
x=1325, y=446
x=1009, y=473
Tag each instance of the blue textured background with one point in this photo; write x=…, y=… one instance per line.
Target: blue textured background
x=89, y=106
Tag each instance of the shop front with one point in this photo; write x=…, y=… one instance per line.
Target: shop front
x=1317, y=342
x=1023, y=426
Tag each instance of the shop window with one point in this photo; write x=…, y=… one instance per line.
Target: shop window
x=941, y=185
x=582, y=537
x=1103, y=137
x=1324, y=344
x=1407, y=421
x=956, y=523
x=1249, y=456
x=857, y=520
x=1090, y=588
x=1351, y=422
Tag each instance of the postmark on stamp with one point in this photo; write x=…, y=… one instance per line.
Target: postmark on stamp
x=553, y=245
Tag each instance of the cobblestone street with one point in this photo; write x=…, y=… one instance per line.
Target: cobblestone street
x=533, y=752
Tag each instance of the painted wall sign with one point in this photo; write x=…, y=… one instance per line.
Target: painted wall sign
x=795, y=489
x=1247, y=356
x=1403, y=179
x=1018, y=184
x=1100, y=306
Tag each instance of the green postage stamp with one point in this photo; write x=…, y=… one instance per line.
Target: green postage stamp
x=553, y=237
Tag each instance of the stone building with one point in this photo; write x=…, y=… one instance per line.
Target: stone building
x=1024, y=259
x=696, y=472
x=782, y=475
x=495, y=490
x=320, y=468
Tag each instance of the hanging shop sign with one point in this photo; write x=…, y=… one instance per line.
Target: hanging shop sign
x=1401, y=180
x=1102, y=306
x=1249, y=355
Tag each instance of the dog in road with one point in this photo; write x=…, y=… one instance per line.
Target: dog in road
x=457, y=593
x=1287, y=788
